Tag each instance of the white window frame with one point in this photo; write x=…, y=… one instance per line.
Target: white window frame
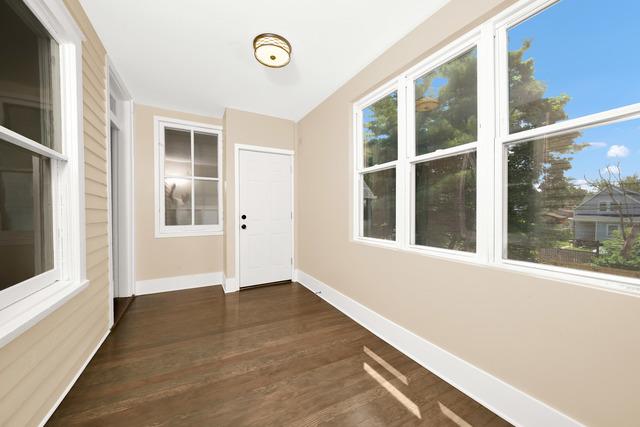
x=511, y=17
x=611, y=228
x=396, y=85
x=451, y=52
x=162, y=230
x=24, y=304
x=405, y=183
x=491, y=148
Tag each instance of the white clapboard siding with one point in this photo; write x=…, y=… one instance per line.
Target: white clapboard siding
x=38, y=366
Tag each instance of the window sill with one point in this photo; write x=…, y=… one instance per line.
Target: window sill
x=595, y=280
x=197, y=233
x=445, y=254
x=20, y=316
x=600, y=281
x=379, y=243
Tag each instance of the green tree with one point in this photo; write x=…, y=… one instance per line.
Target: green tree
x=538, y=185
x=528, y=106
x=613, y=255
x=446, y=116
x=381, y=131
x=631, y=183
x=620, y=193
x=447, y=100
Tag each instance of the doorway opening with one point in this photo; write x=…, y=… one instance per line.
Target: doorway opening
x=120, y=193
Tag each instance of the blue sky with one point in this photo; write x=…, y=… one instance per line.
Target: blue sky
x=587, y=49
x=612, y=145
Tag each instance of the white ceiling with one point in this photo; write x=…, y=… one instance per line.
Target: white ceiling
x=196, y=55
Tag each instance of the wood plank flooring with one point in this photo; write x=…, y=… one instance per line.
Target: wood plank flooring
x=275, y=355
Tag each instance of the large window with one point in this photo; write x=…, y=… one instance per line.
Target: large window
x=511, y=148
x=188, y=181
x=40, y=245
x=29, y=146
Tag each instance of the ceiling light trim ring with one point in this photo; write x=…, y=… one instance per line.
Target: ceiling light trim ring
x=267, y=45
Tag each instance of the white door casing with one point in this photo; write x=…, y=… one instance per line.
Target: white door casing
x=265, y=200
x=121, y=211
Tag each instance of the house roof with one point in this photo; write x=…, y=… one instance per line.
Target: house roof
x=633, y=195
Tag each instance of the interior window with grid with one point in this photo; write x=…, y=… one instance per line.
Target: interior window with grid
x=190, y=175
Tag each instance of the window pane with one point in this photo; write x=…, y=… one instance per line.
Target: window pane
x=574, y=200
x=206, y=212
x=564, y=63
x=177, y=152
x=445, y=203
x=379, y=204
x=446, y=105
x=380, y=131
x=29, y=77
x=205, y=146
x=26, y=232
x=177, y=201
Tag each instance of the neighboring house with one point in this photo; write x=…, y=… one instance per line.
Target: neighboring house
x=598, y=215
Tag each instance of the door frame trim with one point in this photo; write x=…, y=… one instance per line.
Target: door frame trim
x=236, y=196
x=116, y=86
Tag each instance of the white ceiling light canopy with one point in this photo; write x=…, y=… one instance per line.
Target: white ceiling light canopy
x=272, y=50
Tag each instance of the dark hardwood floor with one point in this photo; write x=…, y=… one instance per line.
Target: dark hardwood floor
x=120, y=306
x=275, y=355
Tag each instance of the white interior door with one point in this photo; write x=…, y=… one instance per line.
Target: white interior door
x=265, y=217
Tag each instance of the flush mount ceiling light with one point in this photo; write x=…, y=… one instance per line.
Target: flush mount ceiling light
x=272, y=50
x=426, y=104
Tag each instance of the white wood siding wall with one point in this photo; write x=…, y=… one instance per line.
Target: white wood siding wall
x=37, y=366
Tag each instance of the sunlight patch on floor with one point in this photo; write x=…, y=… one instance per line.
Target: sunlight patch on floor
x=404, y=400
x=453, y=416
x=393, y=371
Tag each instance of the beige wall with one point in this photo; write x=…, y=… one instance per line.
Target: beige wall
x=36, y=367
x=241, y=127
x=573, y=347
x=167, y=256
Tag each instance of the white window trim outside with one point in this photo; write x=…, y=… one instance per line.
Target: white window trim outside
x=611, y=228
x=162, y=230
x=25, y=304
x=493, y=138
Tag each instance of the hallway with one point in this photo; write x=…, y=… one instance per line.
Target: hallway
x=264, y=356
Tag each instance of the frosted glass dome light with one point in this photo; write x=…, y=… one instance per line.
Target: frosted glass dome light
x=272, y=50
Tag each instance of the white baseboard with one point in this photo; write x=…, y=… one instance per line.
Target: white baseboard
x=73, y=381
x=503, y=399
x=229, y=284
x=177, y=283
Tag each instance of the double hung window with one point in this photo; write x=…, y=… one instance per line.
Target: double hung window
x=32, y=158
x=517, y=145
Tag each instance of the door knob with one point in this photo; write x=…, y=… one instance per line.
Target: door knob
x=243, y=226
